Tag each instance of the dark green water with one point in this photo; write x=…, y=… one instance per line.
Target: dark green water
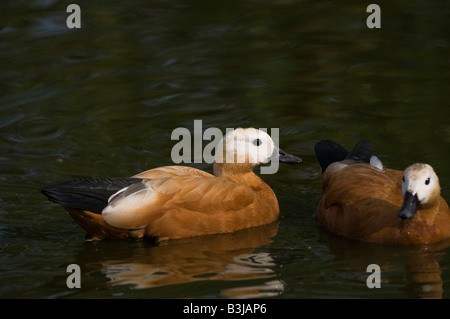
x=103, y=100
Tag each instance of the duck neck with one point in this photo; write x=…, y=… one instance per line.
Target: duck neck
x=243, y=174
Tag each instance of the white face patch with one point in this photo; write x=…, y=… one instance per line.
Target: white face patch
x=248, y=145
x=420, y=180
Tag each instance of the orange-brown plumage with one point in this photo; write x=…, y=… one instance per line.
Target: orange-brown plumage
x=363, y=202
x=177, y=201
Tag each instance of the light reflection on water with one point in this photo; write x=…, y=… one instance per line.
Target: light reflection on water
x=103, y=101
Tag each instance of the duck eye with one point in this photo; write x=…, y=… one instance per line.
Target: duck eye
x=427, y=181
x=257, y=142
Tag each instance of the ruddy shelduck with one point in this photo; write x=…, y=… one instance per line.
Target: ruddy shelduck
x=363, y=200
x=178, y=201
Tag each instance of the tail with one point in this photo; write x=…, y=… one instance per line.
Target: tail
x=89, y=194
x=328, y=152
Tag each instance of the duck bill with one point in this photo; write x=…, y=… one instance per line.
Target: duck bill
x=409, y=207
x=286, y=158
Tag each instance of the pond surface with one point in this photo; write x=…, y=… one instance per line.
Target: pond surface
x=103, y=101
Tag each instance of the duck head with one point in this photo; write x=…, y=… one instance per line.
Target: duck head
x=420, y=189
x=249, y=147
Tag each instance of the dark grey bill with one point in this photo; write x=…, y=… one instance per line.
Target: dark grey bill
x=409, y=207
x=286, y=158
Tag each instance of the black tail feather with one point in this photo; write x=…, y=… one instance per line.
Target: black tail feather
x=90, y=194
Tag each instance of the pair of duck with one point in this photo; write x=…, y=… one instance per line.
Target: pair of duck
x=360, y=200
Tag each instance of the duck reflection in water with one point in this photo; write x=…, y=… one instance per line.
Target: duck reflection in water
x=417, y=267
x=227, y=257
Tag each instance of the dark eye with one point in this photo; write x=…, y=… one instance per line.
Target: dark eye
x=257, y=142
x=403, y=178
x=427, y=181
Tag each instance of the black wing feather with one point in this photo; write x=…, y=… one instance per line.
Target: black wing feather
x=328, y=152
x=361, y=153
x=90, y=194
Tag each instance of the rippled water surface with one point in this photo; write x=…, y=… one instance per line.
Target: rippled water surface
x=103, y=101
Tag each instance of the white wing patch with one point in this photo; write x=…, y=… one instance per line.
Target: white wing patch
x=375, y=162
x=126, y=208
x=116, y=193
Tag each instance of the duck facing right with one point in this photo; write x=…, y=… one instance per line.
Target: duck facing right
x=363, y=200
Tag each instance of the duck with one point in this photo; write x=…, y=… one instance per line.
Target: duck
x=173, y=202
x=363, y=200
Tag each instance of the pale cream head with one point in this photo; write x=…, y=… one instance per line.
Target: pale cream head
x=421, y=180
x=245, y=145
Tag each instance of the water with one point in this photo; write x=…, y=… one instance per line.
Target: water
x=103, y=100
